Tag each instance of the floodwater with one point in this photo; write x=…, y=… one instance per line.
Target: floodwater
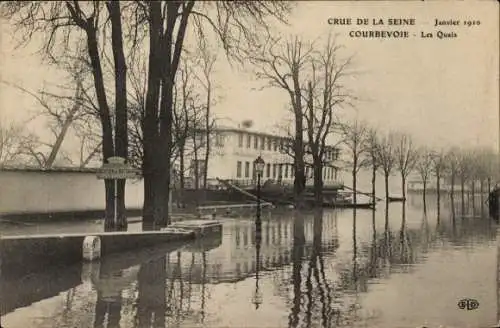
x=407, y=267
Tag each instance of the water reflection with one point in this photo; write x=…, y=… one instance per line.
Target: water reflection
x=317, y=269
x=109, y=287
x=257, y=299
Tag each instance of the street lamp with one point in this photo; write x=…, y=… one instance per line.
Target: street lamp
x=259, y=165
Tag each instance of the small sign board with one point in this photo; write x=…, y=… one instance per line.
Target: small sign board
x=117, y=174
x=116, y=169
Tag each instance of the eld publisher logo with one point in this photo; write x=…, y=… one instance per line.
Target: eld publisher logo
x=468, y=304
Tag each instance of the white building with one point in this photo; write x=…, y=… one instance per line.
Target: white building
x=233, y=151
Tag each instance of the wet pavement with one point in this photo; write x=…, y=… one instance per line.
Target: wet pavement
x=402, y=268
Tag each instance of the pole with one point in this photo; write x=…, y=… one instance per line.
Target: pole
x=258, y=222
x=115, y=194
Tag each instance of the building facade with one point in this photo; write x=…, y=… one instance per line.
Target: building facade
x=233, y=151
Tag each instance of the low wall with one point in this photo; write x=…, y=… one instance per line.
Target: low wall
x=27, y=254
x=59, y=190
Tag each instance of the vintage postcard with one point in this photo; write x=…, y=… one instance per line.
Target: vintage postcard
x=249, y=164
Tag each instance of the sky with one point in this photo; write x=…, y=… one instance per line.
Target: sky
x=442, y=91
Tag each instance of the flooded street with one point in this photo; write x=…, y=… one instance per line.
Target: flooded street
x=405, y=268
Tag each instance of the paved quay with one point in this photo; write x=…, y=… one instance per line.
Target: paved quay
x=12, y=228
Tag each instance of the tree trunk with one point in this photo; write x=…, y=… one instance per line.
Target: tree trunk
x=424, y=191
x=121, y=119
x=168, y=67
x=354, y=179
x=438, y=189
x=299, y=184
x=489, y=185
x=60, y=138
x=374, y=177
x=481, y=194
x=104, y=115
x=165, y=145
x=182, y=183
x=318, y=182
x=462, y=193
x=452, y=185
x=207, y=135
x=196, y=171
x=403, y=186
x=354, y=187
x=386, y=179
x=473, y=195
x=150, y=166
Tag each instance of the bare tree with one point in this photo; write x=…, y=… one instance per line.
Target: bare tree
x=371, y=146
x=386, y=154
x=438, y=168
x=12, y=139
x=182, y=123
x=62, y=113
x=464, y=164
x=482, y=171
x=452, y=167
x=283, y=64
x=121, y=108
x=355, y=139
x=90, y=145
x=492, y=163
x=206, y=60
x=406, y=158
x=326, y=95
x=424, y=168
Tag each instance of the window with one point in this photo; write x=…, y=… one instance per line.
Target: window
x=275, y=168
x=255, y=142
x=245, y=243
x=275, y=144
x=280, y=171
x=286, y=170
x=292, y=171
x=219, y=140
x=268, y=170
x=240, y=140
x=249, y=141
x=263, y=143
x=237, y=233
x=238, y=169
x=269, y=143
x=247, y=169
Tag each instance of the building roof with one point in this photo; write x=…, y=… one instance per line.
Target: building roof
x=252, y=132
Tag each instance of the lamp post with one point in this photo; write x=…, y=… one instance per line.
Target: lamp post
x=259, y=165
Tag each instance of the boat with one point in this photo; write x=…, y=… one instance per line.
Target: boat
x=396, y=199
x=369, y=205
